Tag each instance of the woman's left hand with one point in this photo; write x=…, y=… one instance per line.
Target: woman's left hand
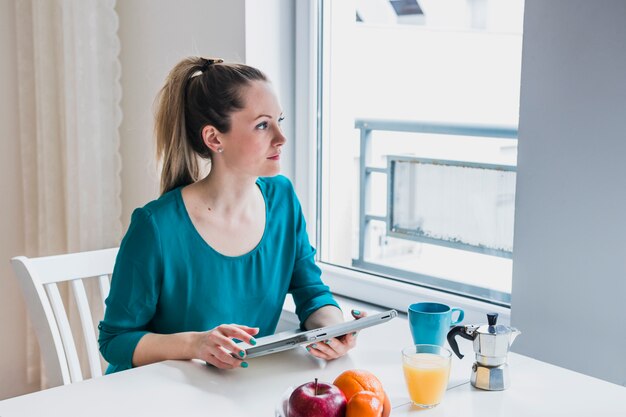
x=336, y=347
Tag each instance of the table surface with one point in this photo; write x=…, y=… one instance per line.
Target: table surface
x=191, y=388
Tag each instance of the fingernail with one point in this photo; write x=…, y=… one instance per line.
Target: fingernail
x=242, y=353
x=327, y=342
x=356, y=312
x=314, y=345
x=244, y=364
x=252, y=341
x=308, y=349
x=354, y=334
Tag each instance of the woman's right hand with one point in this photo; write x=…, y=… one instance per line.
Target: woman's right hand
x=217, y=347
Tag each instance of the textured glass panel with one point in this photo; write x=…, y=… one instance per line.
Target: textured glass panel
x=464, y=205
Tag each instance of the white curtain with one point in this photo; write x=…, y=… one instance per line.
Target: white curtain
x=69, y=107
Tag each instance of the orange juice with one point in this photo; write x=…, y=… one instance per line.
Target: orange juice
x=426, y=377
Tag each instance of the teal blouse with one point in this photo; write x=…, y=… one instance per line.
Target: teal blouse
x=167, y=279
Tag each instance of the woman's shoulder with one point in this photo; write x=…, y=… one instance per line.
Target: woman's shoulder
x=163, y=207
x=280, y=195
x=278, y=185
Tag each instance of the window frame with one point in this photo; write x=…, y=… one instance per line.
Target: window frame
x=370, y=287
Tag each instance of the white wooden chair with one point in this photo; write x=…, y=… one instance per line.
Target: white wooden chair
x=38, y=278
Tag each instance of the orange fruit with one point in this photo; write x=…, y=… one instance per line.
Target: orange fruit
x=386, y=406
x=364, y=404
x=355, y=380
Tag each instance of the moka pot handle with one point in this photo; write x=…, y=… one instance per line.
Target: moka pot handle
x=460, y=331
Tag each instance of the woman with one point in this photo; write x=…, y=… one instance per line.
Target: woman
x=221, y=249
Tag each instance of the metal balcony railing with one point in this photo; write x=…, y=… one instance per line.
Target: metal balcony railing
x=400, y=223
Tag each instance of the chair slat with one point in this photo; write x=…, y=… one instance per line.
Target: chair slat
x=105, y=287
x=86, y=322
x=66, y=334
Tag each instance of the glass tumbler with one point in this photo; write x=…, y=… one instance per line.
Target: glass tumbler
x=426, y=371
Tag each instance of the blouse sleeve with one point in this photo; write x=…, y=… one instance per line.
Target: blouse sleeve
x=308, y=290
x=134, y=291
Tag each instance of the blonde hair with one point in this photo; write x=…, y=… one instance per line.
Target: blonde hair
x=197, y=92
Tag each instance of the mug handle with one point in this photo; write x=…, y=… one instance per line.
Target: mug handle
x=459, y=319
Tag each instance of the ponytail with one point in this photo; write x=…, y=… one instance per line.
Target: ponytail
x=180, y=165
x=197, y=92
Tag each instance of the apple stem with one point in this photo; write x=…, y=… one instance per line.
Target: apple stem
x=316, y=387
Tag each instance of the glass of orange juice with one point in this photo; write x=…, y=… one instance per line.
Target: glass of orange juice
x=426, y=371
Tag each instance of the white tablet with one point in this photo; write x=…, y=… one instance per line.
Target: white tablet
x=290, y=339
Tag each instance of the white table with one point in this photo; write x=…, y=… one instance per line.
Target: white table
x=176, y=388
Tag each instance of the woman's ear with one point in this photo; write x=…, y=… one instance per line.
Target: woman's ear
x=211, y=139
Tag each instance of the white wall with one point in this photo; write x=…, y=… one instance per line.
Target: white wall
x=569, y=268
x=270, y=46
x=155, y=35
x=13, y=379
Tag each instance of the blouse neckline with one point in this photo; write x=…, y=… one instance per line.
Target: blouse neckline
x=197, y=235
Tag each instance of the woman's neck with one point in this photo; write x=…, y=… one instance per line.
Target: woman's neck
x=227, y=194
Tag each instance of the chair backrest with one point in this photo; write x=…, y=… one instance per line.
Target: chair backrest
x=38, y=278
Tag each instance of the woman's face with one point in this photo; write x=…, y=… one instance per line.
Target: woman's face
x=254, y=142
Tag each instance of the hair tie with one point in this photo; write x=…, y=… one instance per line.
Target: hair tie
x=210, y=61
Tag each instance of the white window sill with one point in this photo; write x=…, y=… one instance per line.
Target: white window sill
x=387, y=293
x=365, y=292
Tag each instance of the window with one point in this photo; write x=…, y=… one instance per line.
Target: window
x=418, y=104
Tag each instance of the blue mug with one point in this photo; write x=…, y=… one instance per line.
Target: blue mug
x=431, y=322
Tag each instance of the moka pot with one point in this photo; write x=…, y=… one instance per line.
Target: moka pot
x=492, y=343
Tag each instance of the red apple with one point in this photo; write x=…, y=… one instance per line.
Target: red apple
x=317, y=399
